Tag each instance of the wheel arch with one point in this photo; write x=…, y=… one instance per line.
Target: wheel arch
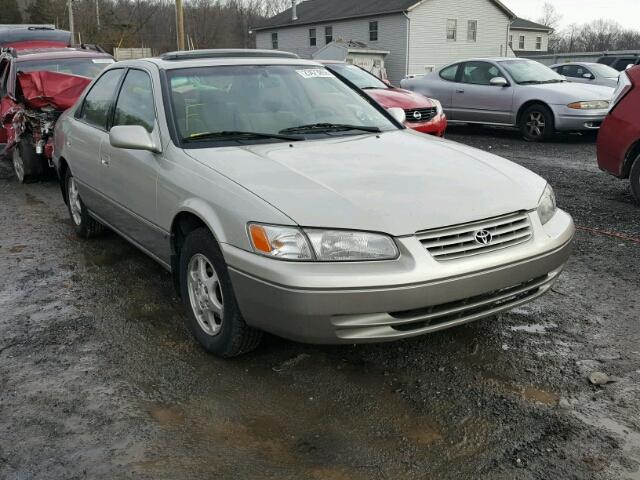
x=530, y=103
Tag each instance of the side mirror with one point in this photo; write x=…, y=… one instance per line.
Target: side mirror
x=132, y=137
x=398, y=115
x=588, y=76
x=498, y=82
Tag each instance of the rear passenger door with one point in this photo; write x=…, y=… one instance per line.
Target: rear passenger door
x=87, y=133
x=129, y=177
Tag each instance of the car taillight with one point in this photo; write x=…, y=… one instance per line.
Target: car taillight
x=624, y=85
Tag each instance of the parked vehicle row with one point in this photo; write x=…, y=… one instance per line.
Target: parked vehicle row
x=590, y=73
x=270, y=188
x=516, y=93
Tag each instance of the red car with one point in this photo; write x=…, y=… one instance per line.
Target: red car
x=619, y=137
x=423, y=114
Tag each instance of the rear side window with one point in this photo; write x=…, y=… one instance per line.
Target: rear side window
x=135, y=104
x=449, y=73
x=99, y=101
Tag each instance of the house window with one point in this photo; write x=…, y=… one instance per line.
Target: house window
x=472, y=30
x=538, y=43
x=274, y=40
x=511, y=41
x=452, y=30
x=373, y=31
x=521, y=43
x=312, y=37
x=328, y=35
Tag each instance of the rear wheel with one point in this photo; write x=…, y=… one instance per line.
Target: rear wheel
x=634, y=176
x=85, y=225
x=213, y=314
x=536, y=123
x=28, y=166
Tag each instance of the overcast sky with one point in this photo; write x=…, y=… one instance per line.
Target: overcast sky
x=625, y=12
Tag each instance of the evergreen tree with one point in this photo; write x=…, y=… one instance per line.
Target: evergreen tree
x=9, y=12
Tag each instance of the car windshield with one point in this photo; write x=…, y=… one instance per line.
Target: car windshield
x=603, y=70
x=83, y=66
x=358, y=77
x=530, y=72
x=266, y=103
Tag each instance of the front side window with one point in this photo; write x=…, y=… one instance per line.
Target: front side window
x=373, y=31
x=85, y=67
x=452, y=30
x=328, y=35
x=449, y=73
x=472, y=30
x=312, y=37
x=97, y=105
x=210, y=102
x=274, y=41
x=521, y=43
x=479, y=73
x=538, y=43
x=135, y=105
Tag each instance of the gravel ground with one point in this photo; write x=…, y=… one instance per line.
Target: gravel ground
x=99, y=377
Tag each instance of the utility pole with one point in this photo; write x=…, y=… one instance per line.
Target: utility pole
x=180, y=24
x=71, y=27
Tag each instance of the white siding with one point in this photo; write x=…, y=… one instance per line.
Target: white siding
x=529, y=40
x=392, y=36
x=428, y=44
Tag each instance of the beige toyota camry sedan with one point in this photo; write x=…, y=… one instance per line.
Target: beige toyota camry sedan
x=284, y=200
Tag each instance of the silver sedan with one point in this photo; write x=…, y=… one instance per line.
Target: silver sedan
x=589, y=73
x=284, y=200
x=514, y=92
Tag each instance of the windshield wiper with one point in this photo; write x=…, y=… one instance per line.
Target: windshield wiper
x=326, y=127
x=531, y=82
x=373, y=88
x=234, y=135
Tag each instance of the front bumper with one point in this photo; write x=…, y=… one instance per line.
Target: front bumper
x=572, y=120
x=384, y=301
x=436, y=126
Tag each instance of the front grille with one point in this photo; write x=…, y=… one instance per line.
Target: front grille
x=465, y=240
x=479, y=305
x=415, y=115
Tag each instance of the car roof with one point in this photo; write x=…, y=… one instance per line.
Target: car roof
x=47, y=53
x=163, y=64
x=574, y=63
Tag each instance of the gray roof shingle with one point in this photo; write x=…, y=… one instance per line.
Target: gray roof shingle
x=321, y=11
x=529, y=25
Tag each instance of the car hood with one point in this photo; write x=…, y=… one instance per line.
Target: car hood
x=397, y=97
x=398, y=182
x=567, y=92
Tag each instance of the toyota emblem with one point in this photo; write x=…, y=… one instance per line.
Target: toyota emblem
x=417, y=115
x=483, y=237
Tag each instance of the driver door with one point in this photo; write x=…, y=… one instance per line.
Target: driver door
x=476, y=100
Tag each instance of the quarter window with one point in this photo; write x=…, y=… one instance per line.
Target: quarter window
x=312, y=37
x=452, y=30
x=449, y=73
x=373, y=31
x=328, y=35
x=98, y=103
x=135, y=104
x=274, y=40
x=472, y=30
x=521, y=43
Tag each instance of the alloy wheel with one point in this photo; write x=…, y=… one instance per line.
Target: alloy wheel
x=18, y=164
x=74, y=202
x=535, y=124
x=205, y=294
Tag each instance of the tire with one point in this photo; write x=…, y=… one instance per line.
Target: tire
x=634, y=177
x=85, y=225
x=537, y=123
x=213, y=316
x=28, y=166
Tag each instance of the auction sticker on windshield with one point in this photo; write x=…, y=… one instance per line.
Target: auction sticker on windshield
x=314, y=73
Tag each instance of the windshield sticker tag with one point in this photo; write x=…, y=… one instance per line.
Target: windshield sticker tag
x=102, y=60
x=315, y=73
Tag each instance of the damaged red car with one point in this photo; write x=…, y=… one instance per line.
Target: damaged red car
x=36, y=86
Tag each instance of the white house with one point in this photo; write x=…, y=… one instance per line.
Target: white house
x=529, y=37
x=419, y=35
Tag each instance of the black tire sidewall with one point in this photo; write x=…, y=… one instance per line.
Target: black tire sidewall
x=634, y=177
x=32, y=163
x=549, y=128
x=225, y=343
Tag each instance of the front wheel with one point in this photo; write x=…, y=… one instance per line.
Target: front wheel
x=634, y=176
x=213, y=314
x=85, y=225
x=537, y=124
x=27, y=164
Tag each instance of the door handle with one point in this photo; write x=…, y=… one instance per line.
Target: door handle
x=459, y=91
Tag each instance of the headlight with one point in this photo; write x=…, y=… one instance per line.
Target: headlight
x=439, y=110
x=547, y=205
x=594, y=105
x=346, y=245
x=290, y=243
